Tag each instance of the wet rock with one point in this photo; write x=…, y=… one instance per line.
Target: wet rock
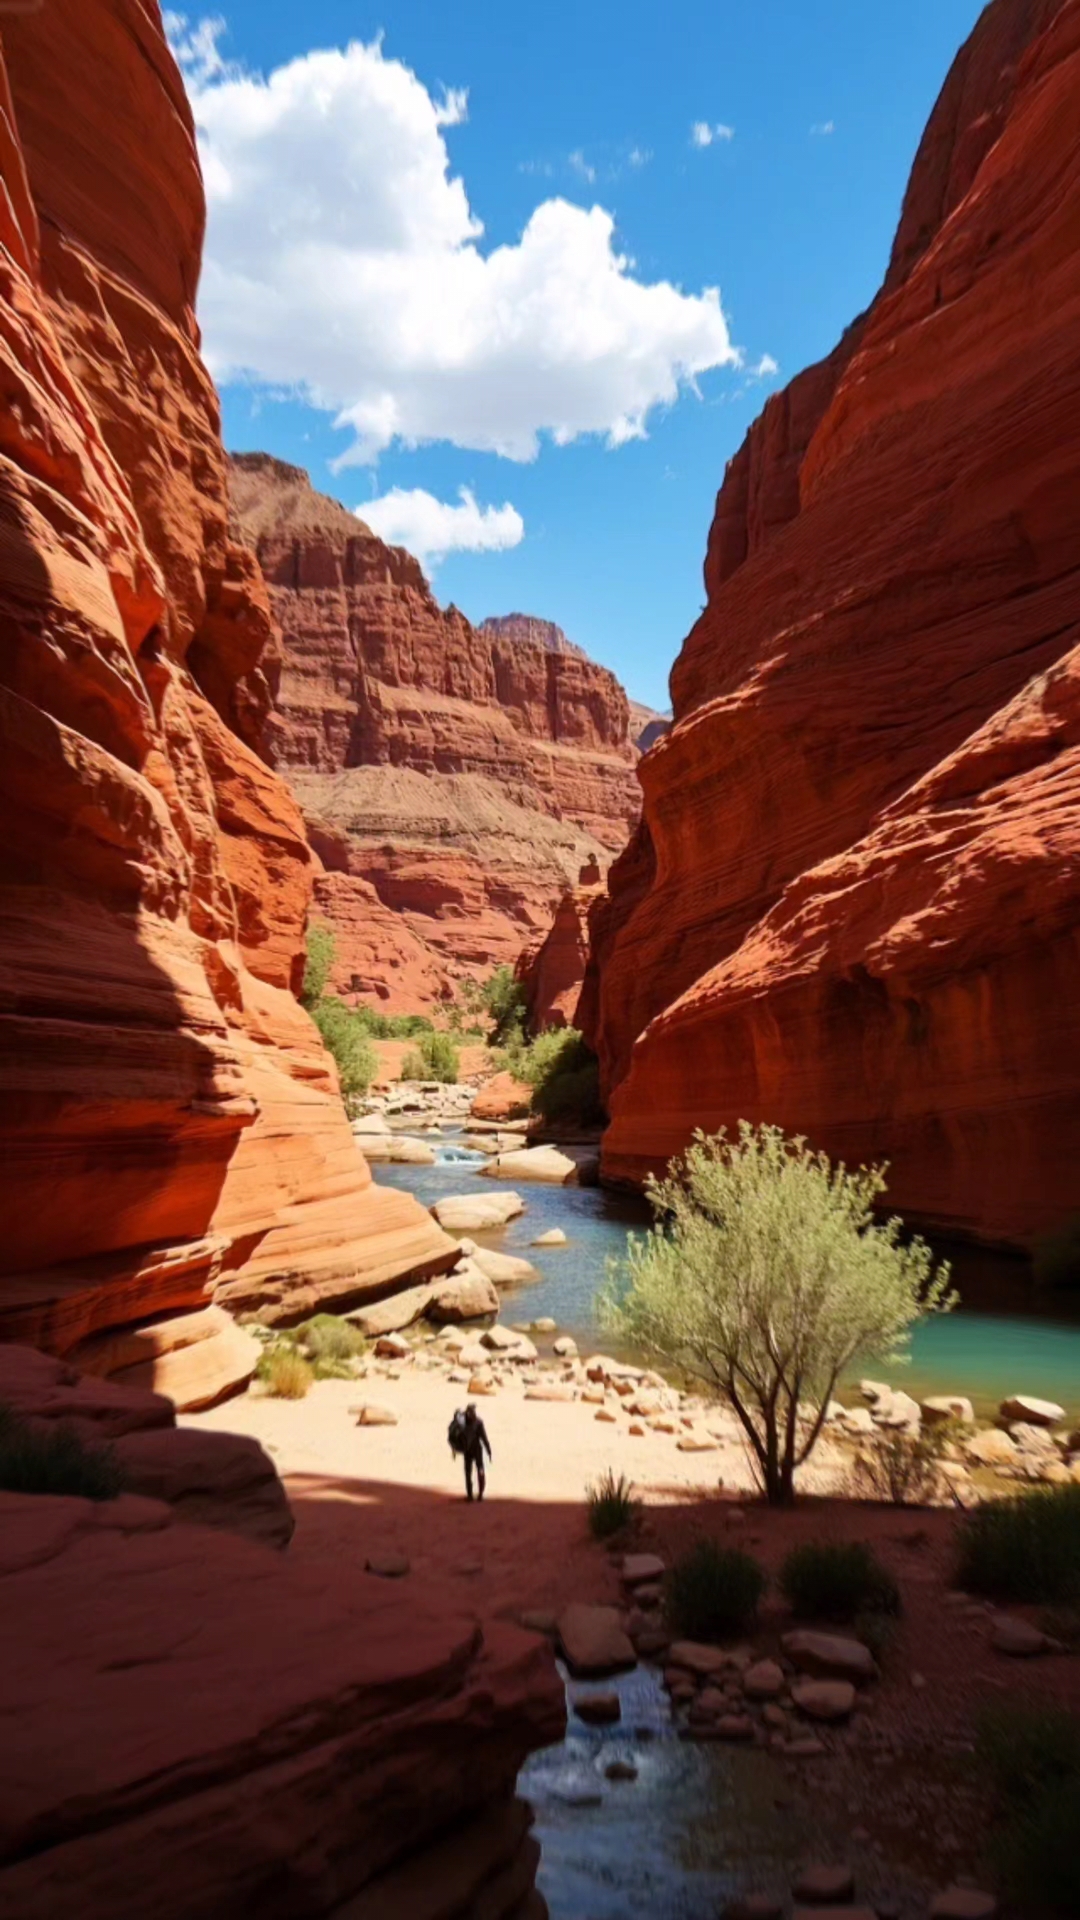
x=545, y=1325
x=593, y=1641
x=554, y=1237
x=465, y=1295
x=503, y=1269
x=620, y=1770
x=824, y=1699
x=548, y=1164
x=470, y=1213
x=597, y=1709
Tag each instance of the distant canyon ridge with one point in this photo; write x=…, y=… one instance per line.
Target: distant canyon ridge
x=457, y=782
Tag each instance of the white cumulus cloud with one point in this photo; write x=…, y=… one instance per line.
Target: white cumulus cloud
x=431, y=528
x=344, y=263
x=704, y=133
x=822, y=128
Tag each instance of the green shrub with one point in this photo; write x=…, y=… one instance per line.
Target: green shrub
x=768, y=1275
x=503, y=999
x=434, y=1057
x=55, y=1460
x=331, y=1345
x=345, y=1036
x=902, y=1468
x=826, y=1581
x=1024, y=1548
x=713, y=1592
x=612, y=1507
x=284, y=1372
x=321, y=949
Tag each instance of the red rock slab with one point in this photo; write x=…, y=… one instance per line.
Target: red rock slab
x=852, y=909
x=295, y=1734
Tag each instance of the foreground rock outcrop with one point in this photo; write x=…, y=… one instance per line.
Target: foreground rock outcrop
x=454, y=779
x=301, y=1748
x=171, y=1131
x=854, y=905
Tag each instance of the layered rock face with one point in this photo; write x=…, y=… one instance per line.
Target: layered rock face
x=464, y=774
x=553, y=972
x=854, y=906
x=171, y=1132
x=303, y=1747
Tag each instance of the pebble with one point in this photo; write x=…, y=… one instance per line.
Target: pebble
x=620, y=1770
x=597, y=1709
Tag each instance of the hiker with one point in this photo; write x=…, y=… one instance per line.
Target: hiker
x=468, y=1436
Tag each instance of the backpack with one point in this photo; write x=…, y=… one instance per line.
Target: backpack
x=457, y=1432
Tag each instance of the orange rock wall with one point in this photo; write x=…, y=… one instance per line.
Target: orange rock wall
x=170, y=1128
x=855, y=902
x=465, y=774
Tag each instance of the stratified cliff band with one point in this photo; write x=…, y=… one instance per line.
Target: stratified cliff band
x=854, y=905
x=454, y=780
x=171, y=1133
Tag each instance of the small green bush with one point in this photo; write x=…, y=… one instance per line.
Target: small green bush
x=345, y=1036
x=612, y=1507
x=284, y=1372
x=826, y=1581
x=1024, y=1548
x=321, y=948
x=713, y=1592
x=503, y=999
x=55, y=1460
x=331, y=1345
x=434, y=1057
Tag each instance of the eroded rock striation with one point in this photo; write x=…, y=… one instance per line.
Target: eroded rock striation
x=854, y=904
x=462, y=775
x=171, y=1133
x=302, y=1746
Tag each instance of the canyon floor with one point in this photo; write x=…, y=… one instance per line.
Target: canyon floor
x=894, y=1793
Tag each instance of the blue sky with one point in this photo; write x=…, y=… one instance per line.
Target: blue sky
x=346, y=268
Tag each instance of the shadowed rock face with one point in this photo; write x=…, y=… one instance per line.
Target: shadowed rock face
x=170, y=1130
x=464, y=774
x=854, y=904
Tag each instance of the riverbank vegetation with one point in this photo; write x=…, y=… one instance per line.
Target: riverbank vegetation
x=767, y=1277
x=1025, y=1548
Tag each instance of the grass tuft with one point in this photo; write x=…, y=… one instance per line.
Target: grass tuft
x=612, y=1507
x=1026, y=1547
x=826, y=1581
x=713, y=1592
x=284, y=1372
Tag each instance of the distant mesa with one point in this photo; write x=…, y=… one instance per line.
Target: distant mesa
x=454, y=780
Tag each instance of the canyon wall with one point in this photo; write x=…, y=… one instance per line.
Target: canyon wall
x=171, y=1133
x=454, y=779
x=853, y=907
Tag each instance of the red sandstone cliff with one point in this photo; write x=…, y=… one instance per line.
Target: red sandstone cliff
x=854, y=906
x=454, y=779
x=170, y=1130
